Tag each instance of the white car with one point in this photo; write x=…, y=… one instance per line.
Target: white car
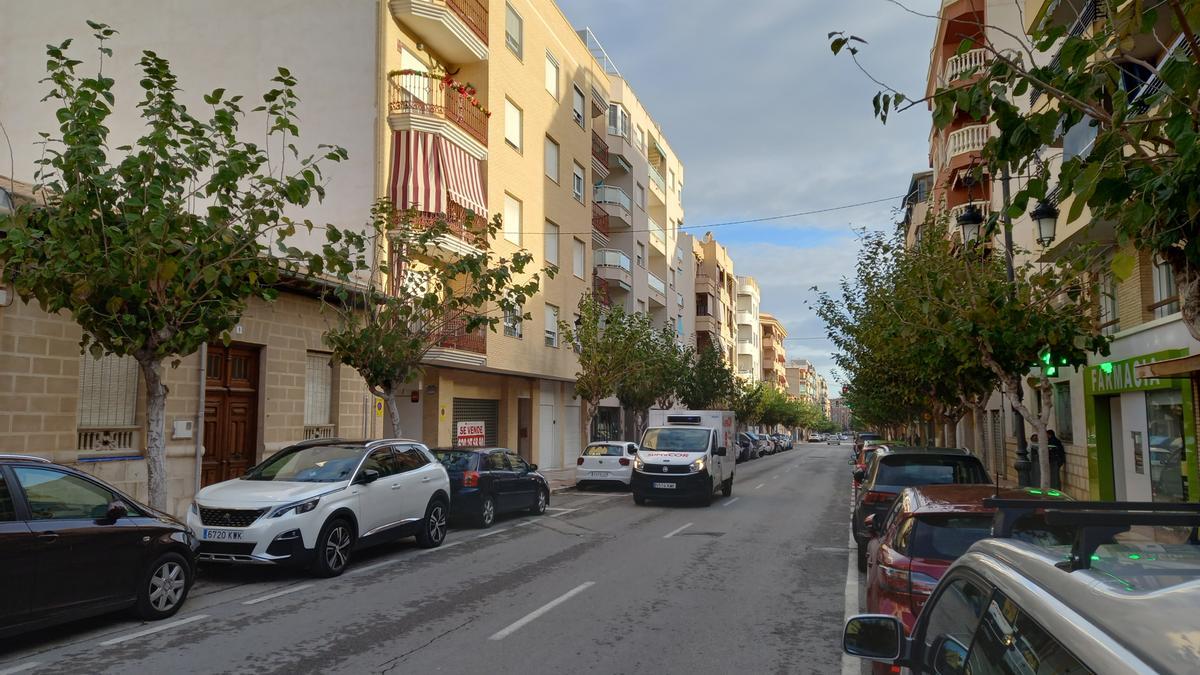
x=606, y=462
x=315, y=502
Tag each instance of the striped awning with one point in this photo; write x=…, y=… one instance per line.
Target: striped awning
x=416, y=181
x=462, y=176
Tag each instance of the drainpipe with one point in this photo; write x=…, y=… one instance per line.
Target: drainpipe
x=198, y=434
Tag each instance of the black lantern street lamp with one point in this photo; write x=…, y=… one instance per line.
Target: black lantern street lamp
x=969, y=223
x=1045, y=216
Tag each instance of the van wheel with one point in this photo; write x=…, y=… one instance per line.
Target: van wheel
x=727, y=487
x=707, y=499
x=163, y=587
x=638, y=499
x=334, y=545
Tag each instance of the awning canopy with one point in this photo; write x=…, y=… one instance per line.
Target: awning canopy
x=463, y=177
x=1182, y=366
x=428, y=171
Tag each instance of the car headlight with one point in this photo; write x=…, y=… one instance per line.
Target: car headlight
x=638, y=463
x=298, y=507
x=697, y=465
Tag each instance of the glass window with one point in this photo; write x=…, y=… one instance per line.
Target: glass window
x=1164, y=423
x=577, y=182
x=1164, y=289
x=8, y=510
x=512, y=219
x=516, y=463
x=1062, y=411
x=904, y=536
x=578, y=256
x=915, y=470
x=551, y=159
x=577, y=105
x=514, y=31
x=458, y=460
x=603, y=450
x=1008, y=642
x=618, y=120
x=383, y=461
x=550, y=243
x=495, y=462
x=954, y=612
x=1109, y=319
x=640, y=193
x=318, y=389
x=55, y=495
x=108, y=388
x=641, y=254
x=551, y=326
x=316, y=464
x=409, y=458
x=552, y=75
x=948, y=537
x=513, y=322
x=512, y=124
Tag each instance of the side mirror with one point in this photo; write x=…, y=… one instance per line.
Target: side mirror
x=116, y=511
x=533, y=467
x=367, y=476
x=720, y=452
x=873, y=636
x=631, y=448
x=949, y=655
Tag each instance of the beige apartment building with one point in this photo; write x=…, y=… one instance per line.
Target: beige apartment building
x=802, y=380
x=749, y=330
x=774, y=353
x=716, y=293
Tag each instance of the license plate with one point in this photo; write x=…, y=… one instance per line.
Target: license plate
x=599, y=474
x=665, y=486
x=221, y=535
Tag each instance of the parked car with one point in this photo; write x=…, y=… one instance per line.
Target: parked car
x=927, y=529
x=860, y=459
x=747, y=447
x=606, y=462
x=1102, y=605
x=862, y=438
x=72, y=546
x=895, y=468
x=816, y=438
x=486, y=482
x=766, y=445
x=784, y=441
x=314, y=503
x=833, y=439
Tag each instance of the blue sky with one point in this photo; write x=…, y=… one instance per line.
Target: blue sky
x=767, y=121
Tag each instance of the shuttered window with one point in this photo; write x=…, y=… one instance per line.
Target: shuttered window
x=318, y=389
x=108, y=389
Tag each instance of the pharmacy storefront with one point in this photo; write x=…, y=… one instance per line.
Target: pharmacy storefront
x=1141, y=434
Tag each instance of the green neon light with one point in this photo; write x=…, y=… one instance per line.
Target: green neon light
x=1054, y=493
x=1034, y=492
x=1106, y=367
x=1135, y=556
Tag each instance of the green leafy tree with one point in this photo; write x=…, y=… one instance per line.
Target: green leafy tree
x=431, y=299
x=602, y=338
x=748, y=402
x=155, y=249
x=652, y=374
x=706, y=381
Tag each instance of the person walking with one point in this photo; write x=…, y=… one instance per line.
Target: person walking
x=1058, y=458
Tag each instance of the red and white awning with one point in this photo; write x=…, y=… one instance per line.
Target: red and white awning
x=426, y=168
x=463, y=177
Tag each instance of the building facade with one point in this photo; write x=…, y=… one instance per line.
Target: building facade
x=774, y=354
x=716, y=293
x=749, y=330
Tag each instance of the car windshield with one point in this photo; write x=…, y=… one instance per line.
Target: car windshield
x=680, y=440
x=318, y=464
x=602, y=450
x=457, y=460
x=930, y=470
x=946, y=537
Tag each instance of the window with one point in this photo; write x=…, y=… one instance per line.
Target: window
x=495, y=462
x=1164, y=422
x=577, y=105
x=318, y=389
x=550, y=243
x=578, y=253
x=640, y=193
x=551, y=159
x=514, y=31
x=1110, y=322
x=8, y=512
x=551, y=326
x=641, y=306
x=512, y=124
x=409, y=458
x=1009, y=642
x=1062, y=411
x=383, y=461
x=516, y=463
x=108, y=388
x=954, y=612
x=577, y=182
x=552, y=75
x=54, y=495
x=641, y=254
x=671, y=179
x=671, y=277
x=1166, y=296
x=512, y=219
x=513, y=322
x=639, y=139
x=618, y=120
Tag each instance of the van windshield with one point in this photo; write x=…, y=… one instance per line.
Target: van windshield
x=677, y=440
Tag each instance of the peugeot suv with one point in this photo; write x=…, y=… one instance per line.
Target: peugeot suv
x=315, y=502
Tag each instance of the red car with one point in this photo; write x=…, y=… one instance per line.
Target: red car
x=929, y=527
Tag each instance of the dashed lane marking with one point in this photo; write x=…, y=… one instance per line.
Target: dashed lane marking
x=676, y=531
x=151, y=631
x=759, y=485
x=564, y=512
x=730, y=501
x=520, y=623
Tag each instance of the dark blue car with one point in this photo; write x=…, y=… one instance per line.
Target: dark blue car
x=486, y=482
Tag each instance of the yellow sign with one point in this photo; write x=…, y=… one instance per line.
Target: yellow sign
x=379, y=407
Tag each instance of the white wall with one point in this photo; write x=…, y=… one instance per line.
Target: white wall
x=329, y=46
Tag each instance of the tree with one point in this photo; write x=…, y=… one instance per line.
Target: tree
x=433, y=298
x=706, y=381
x=602, y=338
x=652, y=372
x=155, y=249
x=747, y=401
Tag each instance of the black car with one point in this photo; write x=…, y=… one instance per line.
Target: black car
x=73, y=547
x=485, y=482
x=894, y=468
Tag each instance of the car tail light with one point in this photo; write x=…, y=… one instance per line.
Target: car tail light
x=579, y=462
x=893, y=579
x=471, y=479
x=873, y=497
x=624, y=461
x=921, y=584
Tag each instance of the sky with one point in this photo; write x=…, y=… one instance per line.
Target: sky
x=767, y=121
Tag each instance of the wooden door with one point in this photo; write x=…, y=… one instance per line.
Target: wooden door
x=230, y=412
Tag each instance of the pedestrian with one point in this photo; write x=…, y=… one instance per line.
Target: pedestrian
x=1058, y=458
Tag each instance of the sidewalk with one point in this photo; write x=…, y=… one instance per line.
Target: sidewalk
x=559, y=479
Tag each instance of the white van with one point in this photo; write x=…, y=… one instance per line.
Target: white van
x=685, y=454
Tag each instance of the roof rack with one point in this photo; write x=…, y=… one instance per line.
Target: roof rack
x=1096, y=522
x=25, y=458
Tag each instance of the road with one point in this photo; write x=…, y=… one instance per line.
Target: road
x=755, y=583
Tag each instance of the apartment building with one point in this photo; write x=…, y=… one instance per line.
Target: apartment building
x=716, y=293
x=749, y=330
x=802, y=380
x=915, y=206
x=774, y=353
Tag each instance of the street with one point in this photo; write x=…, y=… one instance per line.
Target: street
x=755, y=583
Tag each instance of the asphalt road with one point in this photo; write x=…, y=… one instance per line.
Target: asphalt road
x=753, y=584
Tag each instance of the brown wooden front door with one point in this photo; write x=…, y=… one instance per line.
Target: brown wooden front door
x=230, y=412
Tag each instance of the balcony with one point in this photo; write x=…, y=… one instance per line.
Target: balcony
x=707, y=323
x=657, y=180
x=960, y=64
x=658, y=237
x=967, y=139
x=456, y=29
x=621, y=151
x=615, y=203
x=599, y=156
x=600, y=220
x=460, y=239
x=984, y=208
x=459, y=347
x=658, y=289
x=707, y=284
x=747, y=319
x=615, y=267
x=417, y=102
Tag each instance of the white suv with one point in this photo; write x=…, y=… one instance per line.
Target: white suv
x=316, y=502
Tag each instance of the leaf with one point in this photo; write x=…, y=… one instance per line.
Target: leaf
x=1123, y=265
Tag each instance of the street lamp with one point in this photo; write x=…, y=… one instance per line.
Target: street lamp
x=1045, y=215
x=969, y=222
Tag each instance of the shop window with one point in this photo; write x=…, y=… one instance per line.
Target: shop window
x=1062, y=412
x=1167, y=451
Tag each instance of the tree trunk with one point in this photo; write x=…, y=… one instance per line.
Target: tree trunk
x=389, y=396
x=1187, y=284
x=156, y=423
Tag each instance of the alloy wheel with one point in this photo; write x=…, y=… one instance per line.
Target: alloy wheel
x=167, y=585
x=541, y=502
x=489, y=513
x=437, y=524
x=337, y=548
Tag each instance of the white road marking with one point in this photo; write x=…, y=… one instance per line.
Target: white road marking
x=29, y=665
x=775, y=476
x=676, y=531
x=730, y=501
x=523, y=523
x=520, y=623
x=565, y=512
x=488, y=534
x=368, y=568
x=551, y=508
x=759, y=485
x=850, y=664
x=276, y=594
x=151, y=631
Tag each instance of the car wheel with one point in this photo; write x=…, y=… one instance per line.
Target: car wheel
x=334, y=546
x=727, y=487
x=164, y=587
x=540, y=504
x=487, y=512
x=433, y=527
x=638, y=499
x=862, y=558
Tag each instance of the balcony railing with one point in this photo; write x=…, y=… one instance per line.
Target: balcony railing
x=984, y=209
x=474, y=13
x=127, y=438
x=611, y=257
x=1092, y=11
x=455, y=336
x=455, y=219
x=657, y=178
x=967, y=139
x=959, y=64
x=609, y=194
x=599, y=219
x=599, y=149
x=656, y=284
x=413, y=93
